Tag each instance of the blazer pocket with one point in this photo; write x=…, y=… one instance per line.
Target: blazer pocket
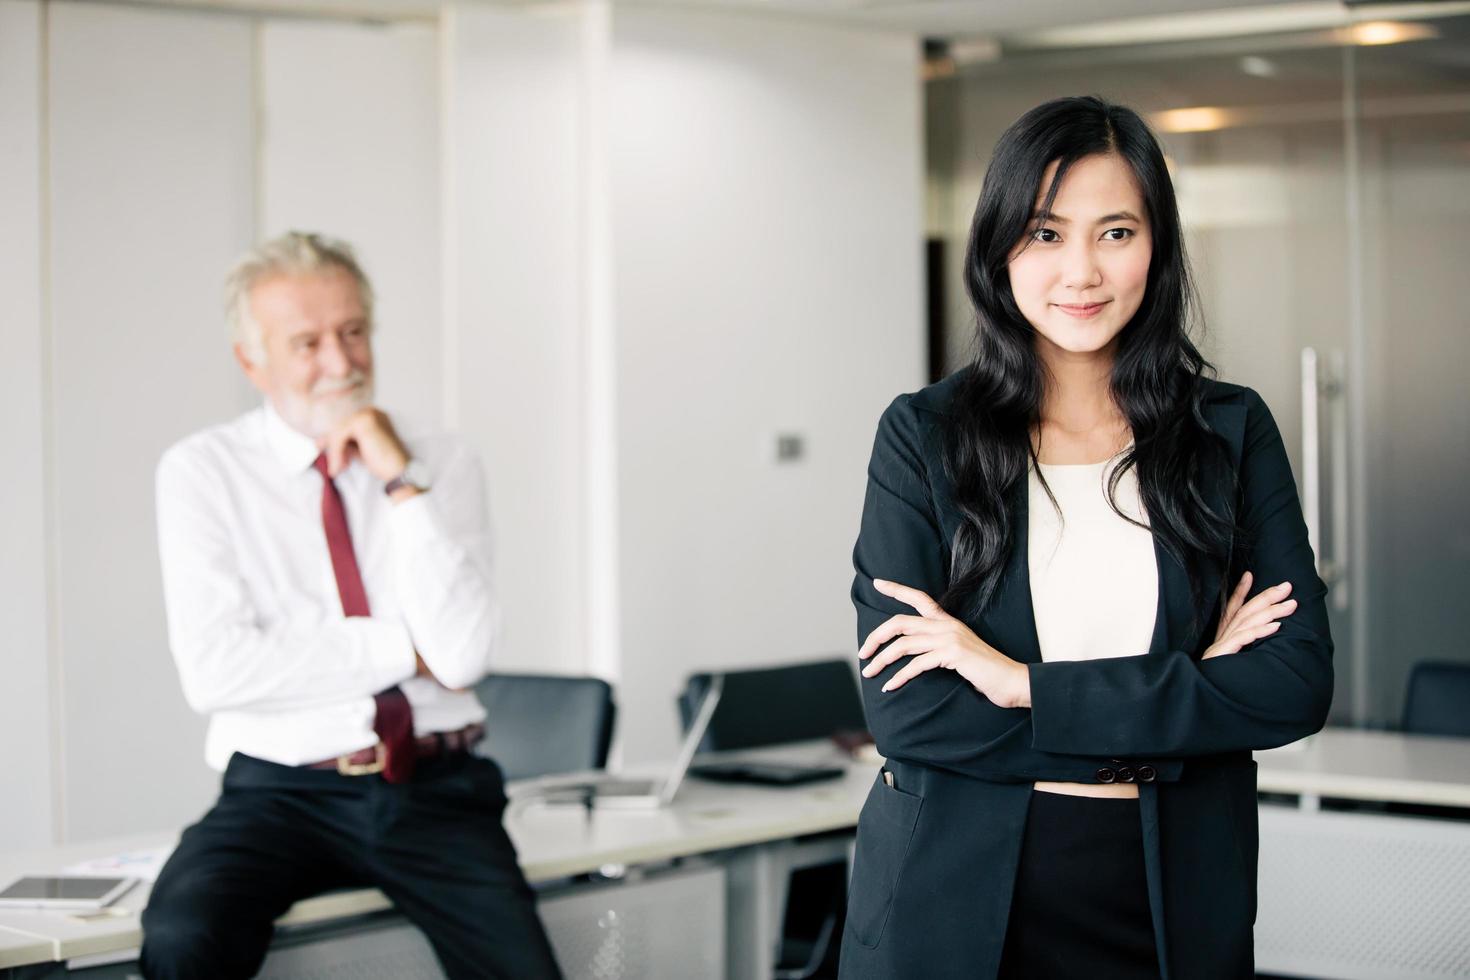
x=885, y=828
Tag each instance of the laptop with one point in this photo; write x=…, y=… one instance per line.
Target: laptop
x=769, y=707
x=606, y=791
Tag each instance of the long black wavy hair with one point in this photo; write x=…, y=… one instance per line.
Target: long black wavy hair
x=1156, y=378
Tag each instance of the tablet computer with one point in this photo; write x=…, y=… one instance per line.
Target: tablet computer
x=63, y=891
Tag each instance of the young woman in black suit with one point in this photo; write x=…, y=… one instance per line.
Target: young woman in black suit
x=1063, y=683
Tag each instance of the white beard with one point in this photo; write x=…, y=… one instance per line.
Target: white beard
x=317, y=414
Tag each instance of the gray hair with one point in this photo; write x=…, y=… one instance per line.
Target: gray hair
x=292, y=254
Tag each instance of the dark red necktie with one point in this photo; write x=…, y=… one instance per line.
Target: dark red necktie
x=393, y=722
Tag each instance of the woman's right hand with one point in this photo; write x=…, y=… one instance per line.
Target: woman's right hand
x=1245, y=622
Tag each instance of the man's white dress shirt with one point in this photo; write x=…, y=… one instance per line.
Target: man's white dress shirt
x=254, y=617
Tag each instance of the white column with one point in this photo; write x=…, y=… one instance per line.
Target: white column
x=26, y=819
x=515, y=302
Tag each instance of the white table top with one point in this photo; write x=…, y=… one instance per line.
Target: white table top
x=19, y=949
x=556, y=841
x=551, y=842
x=56, y=931
x=1362, y=765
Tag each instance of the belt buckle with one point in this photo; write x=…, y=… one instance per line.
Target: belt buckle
x=380, y=759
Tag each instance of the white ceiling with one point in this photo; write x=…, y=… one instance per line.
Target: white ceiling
x=989, y=18
x=930, y=18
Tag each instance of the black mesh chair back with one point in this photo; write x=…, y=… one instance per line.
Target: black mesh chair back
x=539, y=725
x=775, y=705
x=1438, y=702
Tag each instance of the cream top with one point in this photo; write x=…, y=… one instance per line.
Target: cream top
x=1094, y=579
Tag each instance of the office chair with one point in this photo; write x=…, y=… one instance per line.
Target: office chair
x=1438, y=700
x=816, y=911
x=776, y=705
x=539, y=724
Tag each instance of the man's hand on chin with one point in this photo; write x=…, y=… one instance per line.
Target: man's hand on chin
x=367, y=435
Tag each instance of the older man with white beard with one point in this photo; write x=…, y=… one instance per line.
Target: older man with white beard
x=327, y=584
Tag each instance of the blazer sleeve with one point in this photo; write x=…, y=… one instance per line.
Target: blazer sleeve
x=937, y=719
x=1275, y=691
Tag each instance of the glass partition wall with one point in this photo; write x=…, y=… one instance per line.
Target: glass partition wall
x=1324, y=180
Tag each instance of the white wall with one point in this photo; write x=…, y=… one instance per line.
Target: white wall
x=151, y=174
x=619, y=250
x=616, y=182
x=155, y=179
x=25, y=695
x=766, y=191
x=350, y=147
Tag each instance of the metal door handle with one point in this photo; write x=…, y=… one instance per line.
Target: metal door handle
x=1318, y=384
x=1312, y=454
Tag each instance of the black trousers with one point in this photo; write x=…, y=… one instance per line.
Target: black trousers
x=1080, y=905
x=435, y=846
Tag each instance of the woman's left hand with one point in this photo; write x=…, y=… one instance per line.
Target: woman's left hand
x=933, y=639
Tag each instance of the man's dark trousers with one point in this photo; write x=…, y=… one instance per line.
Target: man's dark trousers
x=435, y=846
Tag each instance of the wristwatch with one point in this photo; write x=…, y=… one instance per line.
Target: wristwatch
x=415, y=475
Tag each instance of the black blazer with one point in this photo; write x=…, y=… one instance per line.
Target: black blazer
x=937, y=852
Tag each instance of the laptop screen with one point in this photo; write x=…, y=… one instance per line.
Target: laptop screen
x=779, y=705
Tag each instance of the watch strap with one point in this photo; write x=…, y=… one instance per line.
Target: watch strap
x=412, y=476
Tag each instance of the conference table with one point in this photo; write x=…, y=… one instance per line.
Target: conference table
x=694, y=889
x=1349, y=887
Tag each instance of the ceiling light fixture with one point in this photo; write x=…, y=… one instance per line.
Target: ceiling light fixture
x=1375, y=32
x=1195, y=119
x=1355, y=22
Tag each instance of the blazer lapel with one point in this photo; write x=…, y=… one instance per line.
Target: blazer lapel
x=1172, y=621
x=1010, y=617
x=1010, y=614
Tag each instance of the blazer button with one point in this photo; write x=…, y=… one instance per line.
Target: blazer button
x=1125, y=774
x=1105, y=775
x=1147, y=774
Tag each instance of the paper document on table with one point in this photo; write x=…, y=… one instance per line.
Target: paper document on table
x=143, y=863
